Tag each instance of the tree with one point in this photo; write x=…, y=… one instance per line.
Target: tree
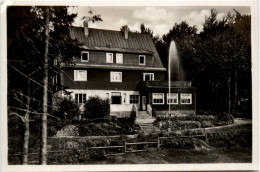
x=222, y=50
x=45, y=90
x=26, y=55
x=184, y=37
x=22, y=53
x=146, y=30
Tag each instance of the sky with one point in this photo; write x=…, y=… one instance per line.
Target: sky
x=158, y=18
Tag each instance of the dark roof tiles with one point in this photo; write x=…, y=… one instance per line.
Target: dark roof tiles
x=136, y=42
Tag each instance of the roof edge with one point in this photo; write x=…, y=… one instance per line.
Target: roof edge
x=91, y=66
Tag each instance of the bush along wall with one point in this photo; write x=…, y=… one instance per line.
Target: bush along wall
x=193, y=121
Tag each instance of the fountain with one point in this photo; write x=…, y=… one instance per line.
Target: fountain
x=174, y=68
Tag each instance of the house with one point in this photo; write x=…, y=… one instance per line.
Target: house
x=124, y=67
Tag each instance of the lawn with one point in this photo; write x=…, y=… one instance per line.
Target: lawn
x=176, y=156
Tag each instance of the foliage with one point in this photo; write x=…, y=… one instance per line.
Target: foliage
x=179, y=143
x=25, y=43
x=118, y=127
x=96, y=107
x=132, y=118
x=224, y=119
x=210, y=58
x=68, y=130
x=66, y=108
x=231, y=140
x=194, y=121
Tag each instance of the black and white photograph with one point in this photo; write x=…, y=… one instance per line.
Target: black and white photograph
x=129, y=86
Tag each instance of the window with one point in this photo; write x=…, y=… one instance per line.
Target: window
x=84, y=56
x=141, y=60
x=134, y=99
x=80, y=98
x=124, y=97
x=115, y=76
x=148, y=76
x=80, y=75
x=116, y=98
x=109, y=57
x=119, y=58
x=158, y=98
x=172, y=99
x=186, y=98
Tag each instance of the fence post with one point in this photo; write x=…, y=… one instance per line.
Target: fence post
x=125, y=147
x=205, y=132
x=158, y=140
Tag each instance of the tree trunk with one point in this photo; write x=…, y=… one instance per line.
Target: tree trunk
x=45, y=91
x=26, y=139
x=26, y=128
x=235, y=91
x=229, y=91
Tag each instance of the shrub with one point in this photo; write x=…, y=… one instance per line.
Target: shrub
x=69, y=130
x=96, y=107
x=65, y=108
x=224, y=119
x=132, y=118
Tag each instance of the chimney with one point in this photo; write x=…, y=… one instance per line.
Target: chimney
x=86, y=30
x=125, y=31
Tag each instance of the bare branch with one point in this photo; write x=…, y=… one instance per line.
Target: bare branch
x=27, y=76
x=36, y=113
x=16, y=114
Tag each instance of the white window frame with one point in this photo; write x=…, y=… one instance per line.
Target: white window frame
x=158, y=103
x=118, y=56
x=168, y=98
x=84, y=52
x=182, y=94
x=112, y=79
x=107, y=59
x=134, y=99
x=76, y=74
x=151, y=76
x=139, y=59
x=82, y=100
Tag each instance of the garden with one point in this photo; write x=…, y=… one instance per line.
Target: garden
x=100, y=138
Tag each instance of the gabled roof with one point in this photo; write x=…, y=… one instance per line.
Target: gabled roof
x=99, y=39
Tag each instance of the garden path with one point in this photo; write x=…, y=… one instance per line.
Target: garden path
x=145, y=121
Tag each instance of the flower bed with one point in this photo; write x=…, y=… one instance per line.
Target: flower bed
x=193, y=121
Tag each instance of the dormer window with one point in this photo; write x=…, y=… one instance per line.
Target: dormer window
x=142, y=60
x=119, y=58
x=148, y=76
x=84, y=56
x=109, y=57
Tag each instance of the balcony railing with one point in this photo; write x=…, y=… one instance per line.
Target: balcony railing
x=166, y=83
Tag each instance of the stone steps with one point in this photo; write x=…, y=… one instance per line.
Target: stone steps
x=145, y=121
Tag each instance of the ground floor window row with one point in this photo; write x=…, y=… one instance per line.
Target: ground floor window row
x=172, y=98
x=157, y=98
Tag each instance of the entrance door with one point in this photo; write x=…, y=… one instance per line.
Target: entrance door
x=143, y=103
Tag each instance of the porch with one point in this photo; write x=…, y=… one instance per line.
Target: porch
x=180, y=100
